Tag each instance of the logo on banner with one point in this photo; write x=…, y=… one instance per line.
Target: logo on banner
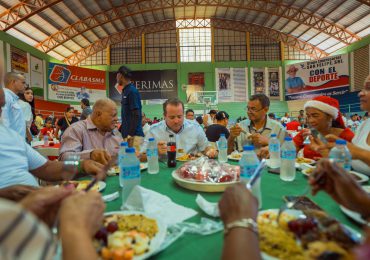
x=60, y=74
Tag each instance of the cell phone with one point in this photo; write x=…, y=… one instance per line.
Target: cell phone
x=274, y=171
x=314, y=132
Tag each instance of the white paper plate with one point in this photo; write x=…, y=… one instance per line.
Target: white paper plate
x=143, y=166
x=366, y=188
x=353, y=215
x=230, y=157
x=156, y=241
x=363, y=177
x=306, y=172
x=115, y=169
x=102, y=185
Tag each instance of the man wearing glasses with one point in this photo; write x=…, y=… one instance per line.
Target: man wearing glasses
x=12, y=116
x=257, y=129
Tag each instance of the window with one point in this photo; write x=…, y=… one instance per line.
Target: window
x=291, y=53
x=128, y=52
x=161, y=47
x=195, y=43
x=99, y=58
x=264, y=49
x=230, y=45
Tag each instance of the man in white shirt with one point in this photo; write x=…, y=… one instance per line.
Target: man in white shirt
x=190, y=137
x=12, y=115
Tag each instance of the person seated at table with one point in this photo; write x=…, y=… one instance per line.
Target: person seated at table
x=189, y=113
x=257, y=129
x=20, y=164
x=144, y=123
x=293, y=125
x=214, y=131
x=322, y=115
x=189, y=135
x=64, y=122
x=95, y=138
x=79, y=216
x=237, y=205
x=48, y=130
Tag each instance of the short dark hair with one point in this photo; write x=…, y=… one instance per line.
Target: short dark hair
x=173, y=102
x=221, y=115
x=212, y=112
x=49, y=119
x=199, y=120
x=189, y=110
x=85, y=101
x=126, y=72
x=272, y=115
x=263, y=99
x=69, y=109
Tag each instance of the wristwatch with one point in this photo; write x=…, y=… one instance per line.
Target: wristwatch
x=242, y=223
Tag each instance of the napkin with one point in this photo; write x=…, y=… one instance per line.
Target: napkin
x=156, y=204
x=209, y=208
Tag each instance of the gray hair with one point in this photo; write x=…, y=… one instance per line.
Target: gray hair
x=11, y=76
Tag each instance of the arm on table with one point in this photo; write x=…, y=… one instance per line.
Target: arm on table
x=71, y=144
x=359, y=153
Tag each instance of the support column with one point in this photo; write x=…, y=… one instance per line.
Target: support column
x=143, y=48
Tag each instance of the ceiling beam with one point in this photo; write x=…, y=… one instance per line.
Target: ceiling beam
x=366, y=2
x=166, y=25
x=22, y=11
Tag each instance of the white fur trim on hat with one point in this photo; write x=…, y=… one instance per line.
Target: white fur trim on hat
x=322, y=107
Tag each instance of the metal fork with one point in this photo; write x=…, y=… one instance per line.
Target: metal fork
x=290, y=204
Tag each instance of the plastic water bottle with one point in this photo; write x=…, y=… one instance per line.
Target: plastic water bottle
x=152, y=154
x=288, y=156
x=46, y=140
x=130, y=168
x=341, y=155
x=121, y=155
x=222, y=149
x=248, y=164
x=274, y=150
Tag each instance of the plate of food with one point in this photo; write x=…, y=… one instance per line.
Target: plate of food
x=115, y=169
x=366, y=188
x=300, y=161
x=353, y=215
x=235, y=156
x=129, y=235
x=359, y=177
x=82, y=185
x=309, y=234
x=188, y=157
x=307, y=171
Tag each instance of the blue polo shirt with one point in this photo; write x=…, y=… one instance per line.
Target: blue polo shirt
x=295, y=82
x=131, y=100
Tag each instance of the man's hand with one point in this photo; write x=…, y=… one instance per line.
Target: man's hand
x=263, y=153
x=162, y=147
x=259, y=140
x=236, y=203
x=211, y=152
x=83, y=211
x=45, y=202
x=340, y=185
x=235, y=131
x=94, y=168
x=16, y=192
x=100, y=156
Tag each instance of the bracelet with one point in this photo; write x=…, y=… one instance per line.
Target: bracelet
x=242, y=223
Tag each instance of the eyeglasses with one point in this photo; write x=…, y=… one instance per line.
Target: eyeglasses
x=253, y=109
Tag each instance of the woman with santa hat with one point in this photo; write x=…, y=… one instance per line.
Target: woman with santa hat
x=324, y=116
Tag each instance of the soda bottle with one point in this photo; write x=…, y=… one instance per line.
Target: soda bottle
x=248, y=164
x=274, y=150
x=341, y=155
x=288, y=156
x=171, y=152
x=121, y=155
x=222, y=149
x=152, y=155
x=130, y=177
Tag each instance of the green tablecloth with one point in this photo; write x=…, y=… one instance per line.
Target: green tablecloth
x=210, y=247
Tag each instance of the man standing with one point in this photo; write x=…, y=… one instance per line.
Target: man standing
x=86, y=109
x=132, y=129
x=257, y=129
x=12, y=115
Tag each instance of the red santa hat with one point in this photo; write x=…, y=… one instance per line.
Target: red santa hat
x=327, y=105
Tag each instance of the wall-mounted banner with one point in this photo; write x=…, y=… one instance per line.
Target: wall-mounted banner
x=231, y=84
x=258, y=81
x=152, y=84
x=37, y=77
x=71, y=83
x=195, y=85
x=328, y=76
x=19, y=62
x=273, y=83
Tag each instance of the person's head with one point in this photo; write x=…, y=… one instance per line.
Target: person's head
x=212, y=113
x=124, y=76
x=48, y=122
x=323, y=113
x=15, y=82
x=354, y=117
x=173, y=112
x=104, y=114
x=70, y=112
x=144, y=120
x=85, y=103
x=258, y=106
x=366, y=116
x=292, y=71
x=199, y=120
x=2, y=100
x=286, y=114
x=365, y=95
x=27, y=95
x=301, y=112
x=222, y=118
x=272, y=116
x=189, y=114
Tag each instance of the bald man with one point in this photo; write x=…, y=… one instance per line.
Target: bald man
x=95, y=138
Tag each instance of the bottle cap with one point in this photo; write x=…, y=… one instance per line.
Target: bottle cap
x=288, y=138
x=151, y=139
x=124, y=144
x=222, y=135
x=130, y=150
x=341, y=142
x=273, y=135
x=248, y=148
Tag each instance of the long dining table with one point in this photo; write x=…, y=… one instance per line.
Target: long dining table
x=191, y=246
